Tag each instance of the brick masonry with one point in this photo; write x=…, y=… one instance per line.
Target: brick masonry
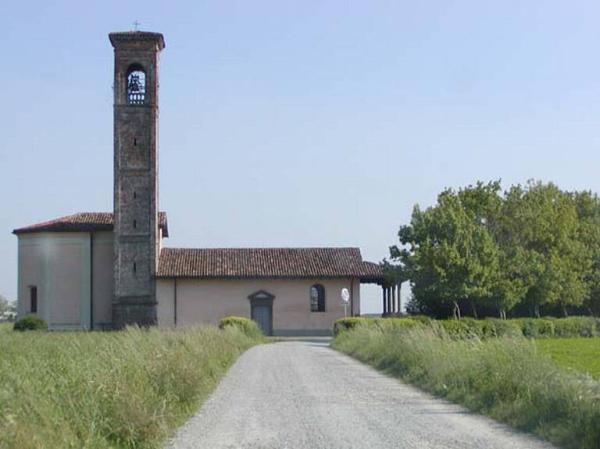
x=136, y=243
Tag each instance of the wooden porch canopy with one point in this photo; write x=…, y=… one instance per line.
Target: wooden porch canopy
x=390, y=288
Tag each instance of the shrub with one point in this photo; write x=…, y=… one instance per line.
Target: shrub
x=344, y=324
x=30, y=323
x=246, y=325
x=494, y=327
x=397, y=323
x=536, y=327
x=575, y=326
x=463, y=328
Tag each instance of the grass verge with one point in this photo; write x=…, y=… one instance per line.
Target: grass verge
x=504, y=378
x=126, y=389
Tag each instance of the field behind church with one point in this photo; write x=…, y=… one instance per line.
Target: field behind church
x=575, y=354
x=112, y=389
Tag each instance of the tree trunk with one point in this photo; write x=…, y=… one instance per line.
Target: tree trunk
x=536, y=310
x=564, y=310
x=474, y=309
x=456, y=311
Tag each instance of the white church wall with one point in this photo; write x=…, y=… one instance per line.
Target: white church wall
x=69, y=285
x=197, y=301
x=31, y=273
x=58, y=264
x=165, y=295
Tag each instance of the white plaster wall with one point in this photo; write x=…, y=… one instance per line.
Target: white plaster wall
x=59, y=265
x=207, y=301
x=67, y=282
x=165, y=295
x=31, y=271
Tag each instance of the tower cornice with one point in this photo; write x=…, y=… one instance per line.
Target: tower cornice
x=124, y=39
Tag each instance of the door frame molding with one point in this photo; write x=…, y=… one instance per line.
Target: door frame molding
x=262, y=298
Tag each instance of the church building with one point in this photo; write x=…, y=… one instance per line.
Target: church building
x=101, y=270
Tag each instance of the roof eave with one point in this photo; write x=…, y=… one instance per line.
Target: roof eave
x=253, y=277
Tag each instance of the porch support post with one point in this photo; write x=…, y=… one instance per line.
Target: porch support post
x=385, y=310
x=394, y=303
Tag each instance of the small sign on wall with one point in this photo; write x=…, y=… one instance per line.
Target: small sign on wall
x=345, y=295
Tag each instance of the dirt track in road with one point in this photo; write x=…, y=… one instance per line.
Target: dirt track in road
x=304, y=395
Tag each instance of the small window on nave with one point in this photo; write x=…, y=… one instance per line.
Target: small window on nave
x=317, y=298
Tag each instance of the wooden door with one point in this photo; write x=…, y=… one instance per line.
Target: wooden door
x=263, y=315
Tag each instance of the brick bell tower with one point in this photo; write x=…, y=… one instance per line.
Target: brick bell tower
x=136, y=233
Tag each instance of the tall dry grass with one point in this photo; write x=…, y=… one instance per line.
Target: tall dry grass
x=505, y=378
x=115, y=389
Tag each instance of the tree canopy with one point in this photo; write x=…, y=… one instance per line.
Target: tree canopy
x=480, y=249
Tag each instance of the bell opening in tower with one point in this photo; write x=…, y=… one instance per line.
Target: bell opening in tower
x=136, y=85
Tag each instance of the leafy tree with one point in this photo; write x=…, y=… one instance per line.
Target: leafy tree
x=484, y=203
x=539, y=233
x=530, y=247
x=588, y=211
x=449, y=254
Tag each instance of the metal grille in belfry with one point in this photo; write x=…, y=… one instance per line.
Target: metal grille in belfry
x=136, y=87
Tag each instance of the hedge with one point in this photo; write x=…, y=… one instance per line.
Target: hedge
x=577, y=326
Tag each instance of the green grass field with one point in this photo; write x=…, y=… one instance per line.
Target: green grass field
x=578, y=354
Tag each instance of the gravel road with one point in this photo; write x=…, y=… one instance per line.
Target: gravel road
x=303, y=395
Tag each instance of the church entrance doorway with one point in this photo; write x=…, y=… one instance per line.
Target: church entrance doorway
x=261, y=310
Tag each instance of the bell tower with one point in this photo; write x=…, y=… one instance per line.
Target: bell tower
x=136, y=233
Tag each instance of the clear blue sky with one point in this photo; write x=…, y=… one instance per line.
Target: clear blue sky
x=305, y=123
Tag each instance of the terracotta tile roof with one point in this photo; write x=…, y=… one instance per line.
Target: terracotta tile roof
x=372, y=272
x=262, y=263
x=84, y=222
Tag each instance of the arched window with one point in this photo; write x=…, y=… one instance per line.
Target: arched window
x=317, y=298
x=136, y=84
